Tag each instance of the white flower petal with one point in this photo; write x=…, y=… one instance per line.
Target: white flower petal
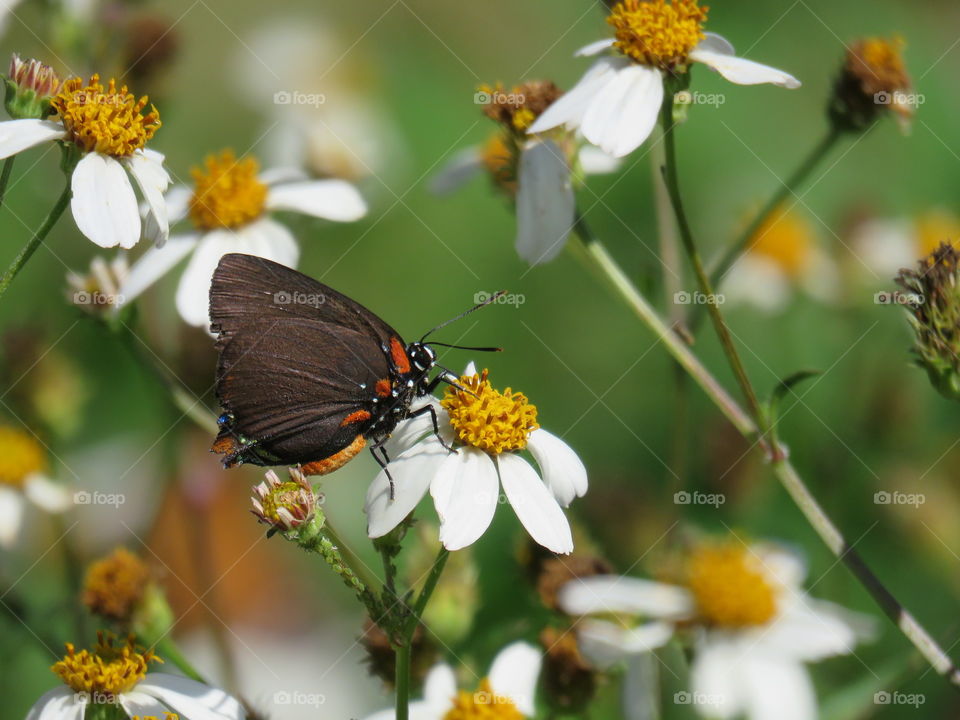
x=328, y=199
x=283, y=174
x=104, y=205
x=178, y=203
x=594, y=48
x=190, y=698
x=466, y=491
x=514, y=674
x=742, y=71
x=462, y=167
x=471, y=369
x=594, y=161
x=783, y=565
x=618, y=594
x=560, y=466
x=411, y=430
x=534, y=504
x=193, y=293
x=47, y=494
x=155, y=263
x=141, y=705
x=808, y=629
x=606, y=644
x=269, y=239
x=641, y=688
x=152, y=178
x=757, y=281
x=56, y=704
x=625, y=111
x=777, y=690
x=440, y=687
x=412, y=472
x=18, y=135
x=716, y=678
x=545, y=202
x=570, y=107
x=716, y=43
x=11, y=515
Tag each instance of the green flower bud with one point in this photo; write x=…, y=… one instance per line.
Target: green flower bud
x=29, y=87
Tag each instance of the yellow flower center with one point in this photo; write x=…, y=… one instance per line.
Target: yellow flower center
x=518, y=108
x=289, y=495
x=227, y=193
x=656, y=33
x=107, y=670
x=484, y=704
x=114, y=586
x=730, y=587
x=500, y=161
x=786, y=239
x=487, y=419
x=936, y=227
x=21, y=456
x=104, y=120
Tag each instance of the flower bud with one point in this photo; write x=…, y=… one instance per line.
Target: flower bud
x=29, y=87
x=285, y=505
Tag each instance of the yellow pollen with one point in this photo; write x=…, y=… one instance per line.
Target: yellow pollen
x=936, y=227
x=656, y=33
x=522, y=119
x=21, y=457
x=114, y=585
x=786, y=239
x=729, y=586
x=227, y=192
x=106, y=671
x=487, y=419
x=104, y=120
x=484, y=704
x=500, y=161
x=288, y=495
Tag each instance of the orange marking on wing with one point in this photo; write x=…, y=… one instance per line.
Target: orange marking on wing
x=383, y=388
x=399, y=354
x=224, y=445
x=337, y=460
x=355, y=417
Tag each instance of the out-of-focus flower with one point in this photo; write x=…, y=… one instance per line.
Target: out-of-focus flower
x=488, y=430
x=872, y=81
x=115, y=674
x=285, y=505
x=538, y=172
x=381, y=658
x=616, y=103
x=98, y=291
x=783, y=254
x=106, y=127
x=114, y=585
x=230, y=208
x=556, y=572
x=569, y=681
x=23, y=480
x=29, y=85
x=753, y=627
x=6, y=12
x=507, y=693
x=150, y=47
x=933, y=300
x=883, y=246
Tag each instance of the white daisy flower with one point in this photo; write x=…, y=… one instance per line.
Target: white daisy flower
x=884, y=246
x=230, y=208
x=488, y=429
x=752, y=625
x=508, y=692
x=23, y=482
x=118, y=674
x=617, y=102
x=107, y=128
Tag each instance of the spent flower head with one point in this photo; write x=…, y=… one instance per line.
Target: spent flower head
x=115, y=585
x=872, y=81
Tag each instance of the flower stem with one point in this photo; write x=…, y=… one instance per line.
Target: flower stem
x=5, y=177
x=21, y=259
x=167, y=649
x=428, y=587
x=402, y=681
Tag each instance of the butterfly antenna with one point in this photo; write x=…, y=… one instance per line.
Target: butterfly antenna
x=492, y=299
x=466, y=347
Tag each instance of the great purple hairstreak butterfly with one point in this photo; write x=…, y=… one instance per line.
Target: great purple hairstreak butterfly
x=306, y=376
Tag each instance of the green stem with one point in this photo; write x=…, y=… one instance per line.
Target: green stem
x=21, y=259
x=167, y=649
x=428, y=587
x=402, y=681
x=686, y=236
x=73, y=574
x=5, y=177
x=350, y=558
x=328, y=546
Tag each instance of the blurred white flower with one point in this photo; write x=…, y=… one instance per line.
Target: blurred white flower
x=617, y=102
x=230, y=207
x=99, y=290
x=488, y=429
x=107, y=126
x=884, y=246
x=507, y=692
x=753, y=628
x=6, y=12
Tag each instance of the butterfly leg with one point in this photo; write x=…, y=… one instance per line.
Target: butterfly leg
x=383, y=460
x=436, y=425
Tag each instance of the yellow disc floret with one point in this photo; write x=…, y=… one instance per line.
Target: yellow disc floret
x=227, y=192
x=729, y=586
x=104, y=119
x=107, y=670
x=22, y=455
x=114, y=585
x=787, y=239
x=487, y=419
x=658, y=33
x=499, y=158
x=483, y=704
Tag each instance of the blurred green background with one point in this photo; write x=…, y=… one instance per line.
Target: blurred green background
x=870, y=423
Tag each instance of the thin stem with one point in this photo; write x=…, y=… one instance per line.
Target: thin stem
x=686, y=235
x=402, y=681
x=167, y=649
x=428, y=587
x=350, y=558
x=21, y=259
x=5, y=177
x=73, y=574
